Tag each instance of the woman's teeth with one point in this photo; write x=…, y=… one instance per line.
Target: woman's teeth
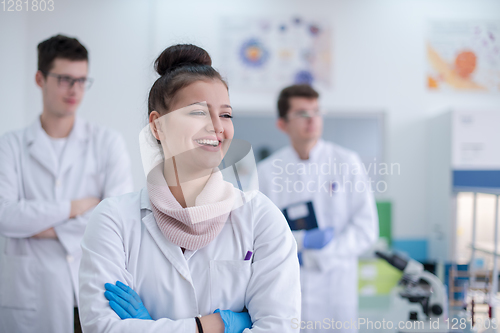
x=213, y=143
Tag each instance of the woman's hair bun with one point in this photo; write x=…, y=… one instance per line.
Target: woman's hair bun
x=179, y=55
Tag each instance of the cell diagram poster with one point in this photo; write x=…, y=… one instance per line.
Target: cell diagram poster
x=262, y=54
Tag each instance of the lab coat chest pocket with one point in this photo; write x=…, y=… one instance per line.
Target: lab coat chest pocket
x=228, y=283
x=333, y=206
x=17, y=281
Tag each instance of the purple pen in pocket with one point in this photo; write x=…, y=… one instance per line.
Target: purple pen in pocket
x=248, y=255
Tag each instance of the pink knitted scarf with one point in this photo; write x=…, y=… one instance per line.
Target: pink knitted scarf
x=193, y=227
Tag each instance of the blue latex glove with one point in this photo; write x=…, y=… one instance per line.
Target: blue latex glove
x=234, y=322
x=125, y=301
x=317, y=238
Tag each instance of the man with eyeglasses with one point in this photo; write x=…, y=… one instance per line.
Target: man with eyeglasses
x=52, y=174
x=329, y=206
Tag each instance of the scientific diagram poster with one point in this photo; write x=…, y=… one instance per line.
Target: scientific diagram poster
x=463, y=56
x=262, y=54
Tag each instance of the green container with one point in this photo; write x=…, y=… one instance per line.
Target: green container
x=384, y=220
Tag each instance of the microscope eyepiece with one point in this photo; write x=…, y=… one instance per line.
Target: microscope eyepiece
x=395, y=260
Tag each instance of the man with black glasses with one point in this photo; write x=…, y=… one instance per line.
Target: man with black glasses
x=52, y=174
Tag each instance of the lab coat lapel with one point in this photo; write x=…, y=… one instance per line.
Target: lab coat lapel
x=75, y=146
x=317, y=152
x=171, y=251
x=39, y=147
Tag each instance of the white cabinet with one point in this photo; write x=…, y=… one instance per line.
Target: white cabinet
x=464, y=156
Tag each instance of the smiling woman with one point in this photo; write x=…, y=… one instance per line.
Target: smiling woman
x=197, y=133
x=190, y=252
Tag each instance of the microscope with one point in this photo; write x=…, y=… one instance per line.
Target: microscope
x=419, y=286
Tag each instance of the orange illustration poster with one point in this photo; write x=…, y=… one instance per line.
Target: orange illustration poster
x=463, y=56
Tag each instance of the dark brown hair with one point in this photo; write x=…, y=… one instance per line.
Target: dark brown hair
x=179, y=66
x=297, y=90
x=59, y=46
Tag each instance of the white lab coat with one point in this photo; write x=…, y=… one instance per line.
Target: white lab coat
x=123, y=242
x=38, y=277
x=329, y=275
